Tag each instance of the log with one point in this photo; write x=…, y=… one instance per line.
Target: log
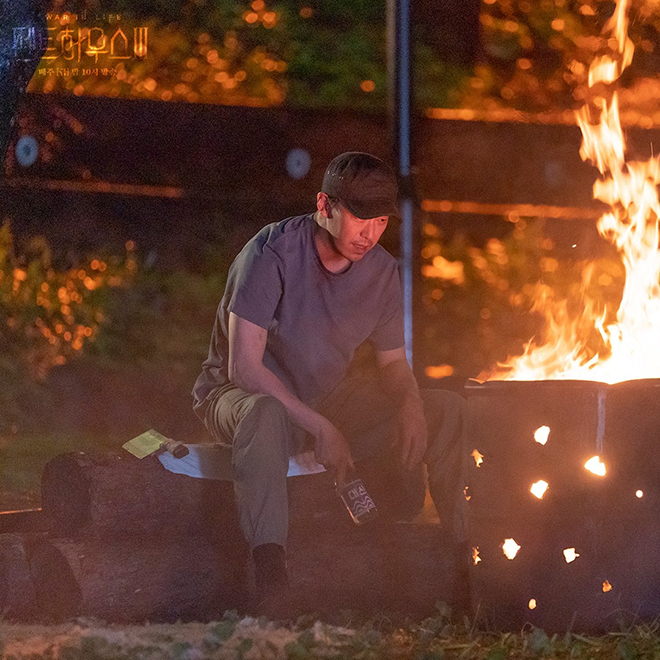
x=136, y=580
x=17, y=593
x=114, y=569
x=115, y=494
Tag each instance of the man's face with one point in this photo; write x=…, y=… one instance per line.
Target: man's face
x=351, y=237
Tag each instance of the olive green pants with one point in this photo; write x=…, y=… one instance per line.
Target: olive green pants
x=262, y=437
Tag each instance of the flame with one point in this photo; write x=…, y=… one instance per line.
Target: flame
x=607, y=586
x=595, y=465
x=475, y=556
x=541, y=434
x=532, y=604
x=510, y=548
x=538, y=488
x=466, y=494
x=478, y=458
x=570, y=555
x=604, y=342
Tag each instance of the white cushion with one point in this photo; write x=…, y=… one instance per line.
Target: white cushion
x=210, y=461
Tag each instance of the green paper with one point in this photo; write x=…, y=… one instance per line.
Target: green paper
x=145, y=444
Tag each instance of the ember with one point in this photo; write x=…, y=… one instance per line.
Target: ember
x=595, y=465
x=510, y=548
x=478, y=458
x=541, y=434
x=538, y=488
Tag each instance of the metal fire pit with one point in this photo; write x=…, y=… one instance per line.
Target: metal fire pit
x=611, y=521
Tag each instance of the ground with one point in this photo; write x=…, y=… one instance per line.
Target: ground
x=255, y=639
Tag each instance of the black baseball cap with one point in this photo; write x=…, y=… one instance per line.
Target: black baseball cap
x=363, y=183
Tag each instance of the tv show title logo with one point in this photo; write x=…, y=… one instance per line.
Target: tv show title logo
x=67, y=41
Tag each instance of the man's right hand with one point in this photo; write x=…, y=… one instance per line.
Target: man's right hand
x=333, y=452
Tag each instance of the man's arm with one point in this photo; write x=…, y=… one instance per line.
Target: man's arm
x=247, y=344
x=400, y=384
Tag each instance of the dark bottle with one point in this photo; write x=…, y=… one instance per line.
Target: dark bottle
x=357, y=500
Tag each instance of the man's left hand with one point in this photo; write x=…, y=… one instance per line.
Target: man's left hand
x=413, y=432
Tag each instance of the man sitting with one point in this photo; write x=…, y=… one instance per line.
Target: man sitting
x=300, y=297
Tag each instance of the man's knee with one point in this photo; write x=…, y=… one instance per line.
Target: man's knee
x=266, y=424
x=269, y=408
x=443, y=408
x=450, y=401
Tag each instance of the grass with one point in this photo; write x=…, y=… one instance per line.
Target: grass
x=235, y=638
x=163, y=321
x=22, y=460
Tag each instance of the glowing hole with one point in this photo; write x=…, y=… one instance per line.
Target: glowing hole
x=510, y=548
x=541, y=434
x=475, y=556
x=570, y=555
x=532, y=604
x=595, y=465
x=478, y=458
x=639, y=494
x=607, y=586
x=538, y=488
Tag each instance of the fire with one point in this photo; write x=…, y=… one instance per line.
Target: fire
x=607, y=586
x=538, y=488
x=570, y=555
x=639, y=494
x=478, y=458
x=475, y=556
x=595, y=465
x=605, y=342
x=510, y=548
x=532, y=604
x=542, y=434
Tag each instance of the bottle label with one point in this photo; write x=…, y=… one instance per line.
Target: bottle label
x=358, y=502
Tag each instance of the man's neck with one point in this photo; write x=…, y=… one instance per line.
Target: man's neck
x=330, y=258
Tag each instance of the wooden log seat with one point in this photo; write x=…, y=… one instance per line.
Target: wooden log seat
x=114, y=494
x=17, y=593
x=147, y=544
x=131, y=580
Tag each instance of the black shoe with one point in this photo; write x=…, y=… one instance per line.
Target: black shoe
x=272, y=580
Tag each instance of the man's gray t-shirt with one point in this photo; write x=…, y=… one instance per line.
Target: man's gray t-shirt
x=315, y=318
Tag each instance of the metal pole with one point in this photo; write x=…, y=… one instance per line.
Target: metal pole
x=400, y=94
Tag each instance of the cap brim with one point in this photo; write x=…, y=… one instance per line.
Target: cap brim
x=376, y=209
